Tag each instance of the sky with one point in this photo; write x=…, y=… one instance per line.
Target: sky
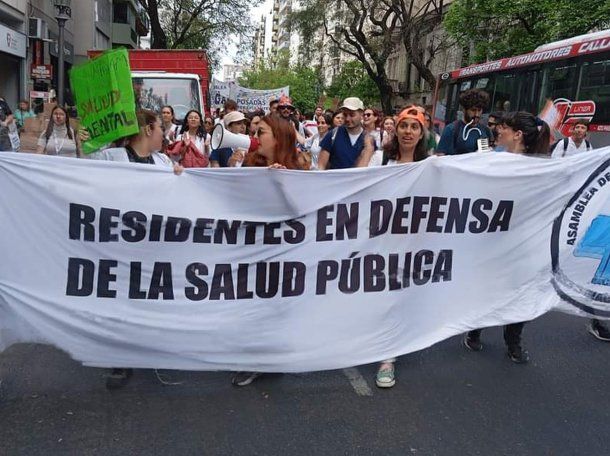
x=255, y=13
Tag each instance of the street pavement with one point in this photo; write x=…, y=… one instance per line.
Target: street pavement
x=447, y=401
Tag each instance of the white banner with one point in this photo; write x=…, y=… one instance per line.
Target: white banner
x=132, y=266
x=248, y=100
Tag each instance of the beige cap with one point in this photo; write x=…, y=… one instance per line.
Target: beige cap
x=234, y=116
x=353, y=104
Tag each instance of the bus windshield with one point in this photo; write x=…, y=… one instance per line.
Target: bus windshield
x=153, y=93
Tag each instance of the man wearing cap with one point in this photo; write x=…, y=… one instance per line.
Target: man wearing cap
x=235, y=122
x=342, y=146
x=287, y=110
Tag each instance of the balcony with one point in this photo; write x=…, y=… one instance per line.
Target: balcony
x=276, y=6
x=142, y=21
x=124, y=35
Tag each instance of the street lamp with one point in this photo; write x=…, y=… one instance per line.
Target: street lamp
x=62, y=14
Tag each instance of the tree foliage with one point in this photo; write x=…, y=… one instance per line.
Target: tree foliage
x=370, y=30
x=305, y=83
x=363, y=29
x=500, y=28
x=199, y=24
x=353, y=81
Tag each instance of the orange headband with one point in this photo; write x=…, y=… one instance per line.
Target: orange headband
x=411, y=112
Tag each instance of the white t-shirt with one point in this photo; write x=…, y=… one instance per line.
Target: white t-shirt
x=312, y=144
x=377, y=158
x=173, y=129
x=354, y=137
x=571, y=149
x=376, y=135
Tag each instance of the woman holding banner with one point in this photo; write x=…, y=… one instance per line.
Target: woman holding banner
x=276, y=150
x=519, y=133
x=140, y=148
x=59, y=138
x=407, y=145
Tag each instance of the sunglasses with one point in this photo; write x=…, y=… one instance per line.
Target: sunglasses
x=283, y=108
x=368, y=114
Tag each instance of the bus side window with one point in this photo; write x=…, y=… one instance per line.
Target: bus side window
x=529, y=91
x=504, y=96
x=559, y=81
x=595, y=85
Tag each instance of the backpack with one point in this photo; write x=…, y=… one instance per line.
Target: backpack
x=566, y=141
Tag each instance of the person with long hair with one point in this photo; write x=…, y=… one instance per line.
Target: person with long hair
x=59, y=138
x=407, y=145
x=142, y=148
x=313, y=143
x=523, y=133
x=168, y=123
x=371, y=121
x=192, y=131
x=389, y=127
x=338, y=118
x=277, y=149
x=519, y=133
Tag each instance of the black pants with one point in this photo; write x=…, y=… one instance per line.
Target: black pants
x=512, y=333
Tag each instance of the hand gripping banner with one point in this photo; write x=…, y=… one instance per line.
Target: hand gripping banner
x=255, y=269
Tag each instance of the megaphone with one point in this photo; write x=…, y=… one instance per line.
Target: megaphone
x=224, y=138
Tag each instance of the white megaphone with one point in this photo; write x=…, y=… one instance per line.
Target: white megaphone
x=224, y=138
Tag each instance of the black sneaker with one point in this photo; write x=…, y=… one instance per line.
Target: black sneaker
x=518, y=355
x=472, y=343
x=599, y=331
x=118, y=378
x=245, y=378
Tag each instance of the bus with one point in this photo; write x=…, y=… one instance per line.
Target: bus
x=561, y=82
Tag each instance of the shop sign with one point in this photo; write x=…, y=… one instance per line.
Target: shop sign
x=12, y=42
x=42, y=71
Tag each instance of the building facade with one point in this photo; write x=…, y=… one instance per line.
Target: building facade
x=13, y=50
x=129, y=24
x=99, y=37
x=230, y=72
x=29, y=35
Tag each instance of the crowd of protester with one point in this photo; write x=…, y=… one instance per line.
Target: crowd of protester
x=354, y=135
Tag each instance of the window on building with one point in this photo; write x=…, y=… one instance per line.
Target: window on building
x=120, y=13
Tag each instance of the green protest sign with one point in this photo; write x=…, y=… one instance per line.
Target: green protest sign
x=104, y=98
